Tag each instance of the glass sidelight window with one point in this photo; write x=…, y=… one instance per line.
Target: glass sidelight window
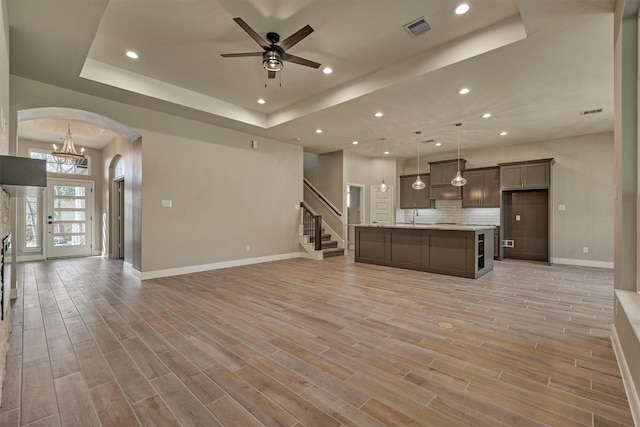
x=32, y=238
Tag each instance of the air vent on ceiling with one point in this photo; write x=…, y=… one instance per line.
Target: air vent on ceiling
x=417, y=27
x=597, y=110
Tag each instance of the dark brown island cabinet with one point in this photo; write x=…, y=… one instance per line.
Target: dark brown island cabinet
x=482, y=189
x=454, y=250
x=441, y=173
x=415, y=199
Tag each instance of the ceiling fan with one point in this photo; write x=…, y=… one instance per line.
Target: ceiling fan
x=274, y=51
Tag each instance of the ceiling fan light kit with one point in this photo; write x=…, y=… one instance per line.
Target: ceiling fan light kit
x=274, y=51
x=272, y=61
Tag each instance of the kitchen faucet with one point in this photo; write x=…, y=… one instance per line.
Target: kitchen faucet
x=415, y=214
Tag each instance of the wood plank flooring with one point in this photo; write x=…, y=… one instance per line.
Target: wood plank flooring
x=312, y=343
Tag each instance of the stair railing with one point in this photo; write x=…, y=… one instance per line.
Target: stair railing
x=311, y=226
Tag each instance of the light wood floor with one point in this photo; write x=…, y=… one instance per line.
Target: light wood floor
x=313, y=343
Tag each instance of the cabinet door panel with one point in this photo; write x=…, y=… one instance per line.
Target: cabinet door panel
x=422, y=197
x=472, y=191
x=537, y=175
x=406, y=192
x=511, y=177
x=437, y=174
x=491, y=188
x=450, y=171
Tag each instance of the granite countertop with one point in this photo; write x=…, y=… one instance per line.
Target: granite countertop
x=453, y=227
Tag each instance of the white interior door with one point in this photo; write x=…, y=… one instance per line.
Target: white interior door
x=382, y=206
x=69, y=218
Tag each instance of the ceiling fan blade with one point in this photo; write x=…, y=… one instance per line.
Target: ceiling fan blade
x=296, y=37
x=237, y=55
x=271, y=74
x=262, y=42
x=297, y=60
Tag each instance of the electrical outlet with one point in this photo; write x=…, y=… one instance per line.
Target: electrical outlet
x=585, y=249
x=248, y=248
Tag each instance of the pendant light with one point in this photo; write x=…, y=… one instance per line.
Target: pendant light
x=459, y=180
x=418, y=184
x=68, y=155
x=383, y=187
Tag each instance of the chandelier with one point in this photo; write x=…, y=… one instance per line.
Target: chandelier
x=68, y=155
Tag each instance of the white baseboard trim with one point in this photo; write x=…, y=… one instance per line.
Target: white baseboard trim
x=27, y=258
x=215, y=266
x=135, y=273
x=627, y=380
x=582, y=262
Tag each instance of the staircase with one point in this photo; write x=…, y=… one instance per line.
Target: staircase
x=329, y=247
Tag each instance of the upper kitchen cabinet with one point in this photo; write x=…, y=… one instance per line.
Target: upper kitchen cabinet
x=414, y=199
x=530, y=175
x=482, y=189
x=441, y=175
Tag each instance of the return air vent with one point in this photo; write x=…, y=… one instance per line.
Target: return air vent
x=597, y=110
x=417, y=27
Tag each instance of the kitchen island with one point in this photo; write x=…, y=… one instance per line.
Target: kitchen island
x=455, y=250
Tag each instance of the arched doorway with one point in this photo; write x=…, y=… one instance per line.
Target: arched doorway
x=118, y=162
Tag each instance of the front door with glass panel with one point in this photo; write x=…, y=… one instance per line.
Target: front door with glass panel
x=69, y=217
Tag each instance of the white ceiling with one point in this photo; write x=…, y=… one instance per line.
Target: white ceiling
x=534, y=64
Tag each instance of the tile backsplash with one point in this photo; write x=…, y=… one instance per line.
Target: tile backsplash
x=450, y=211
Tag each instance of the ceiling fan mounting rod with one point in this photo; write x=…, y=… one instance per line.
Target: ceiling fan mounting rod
x=273, y=37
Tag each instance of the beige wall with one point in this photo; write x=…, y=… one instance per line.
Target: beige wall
x=625, y=332
x=583, y=181
x=368, y=171
x=326, y=172
x=225, y=194
x=225, y=197
x=118, y=148
x=5, y=327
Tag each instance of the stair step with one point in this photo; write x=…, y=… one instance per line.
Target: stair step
x=328, y=244
x=327, y=253
x=325, y=237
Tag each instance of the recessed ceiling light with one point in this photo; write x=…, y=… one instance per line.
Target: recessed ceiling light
x=355, y=142
x=503, y=133
x=131, y=54
x=486, y=115
x=378, y=114
x=386, y=152
x=438, y=144
x=464, y=91
x=461, y=9
x=327, y=70
x=261, y=101
x=318, y=130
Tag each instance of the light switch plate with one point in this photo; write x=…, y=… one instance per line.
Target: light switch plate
x=517, y=217
x=166, y=203
x=561, y=207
